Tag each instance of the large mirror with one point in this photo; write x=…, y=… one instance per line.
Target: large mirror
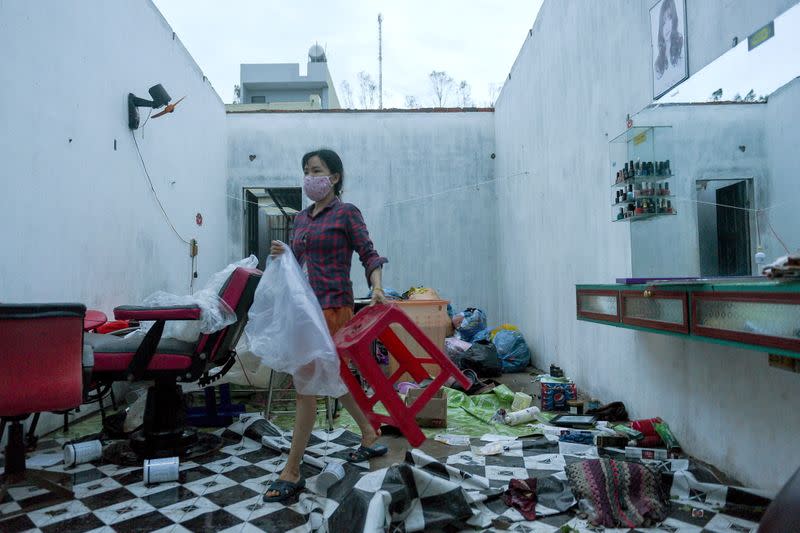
x=731, y=133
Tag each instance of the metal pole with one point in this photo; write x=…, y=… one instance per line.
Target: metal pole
x=380, y=61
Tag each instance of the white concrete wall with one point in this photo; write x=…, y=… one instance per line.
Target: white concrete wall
x=782, y=191
x=400, y=170
x=569, y=92
x=78, y=221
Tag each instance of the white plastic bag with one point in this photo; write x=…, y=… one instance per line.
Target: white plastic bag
x=215, y=314
x=248, y=368
x=287, y=330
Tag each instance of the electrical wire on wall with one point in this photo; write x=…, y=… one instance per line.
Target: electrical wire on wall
x=192, y=243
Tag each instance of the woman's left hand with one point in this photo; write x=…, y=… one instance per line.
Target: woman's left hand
x=378, y=297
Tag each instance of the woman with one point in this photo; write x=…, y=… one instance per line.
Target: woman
x=324, y=238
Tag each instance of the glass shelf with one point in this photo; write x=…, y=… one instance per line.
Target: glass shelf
x=641, y=179
x=654, y=197
x=644, y=216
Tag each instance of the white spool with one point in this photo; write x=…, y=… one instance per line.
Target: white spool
x=160, y=470
x=520, y=417
x=82, y=452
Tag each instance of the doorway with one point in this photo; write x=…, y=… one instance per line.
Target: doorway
x=724, y=226
x=268, y=215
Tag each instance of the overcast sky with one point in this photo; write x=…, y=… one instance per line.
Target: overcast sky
x=476, y=40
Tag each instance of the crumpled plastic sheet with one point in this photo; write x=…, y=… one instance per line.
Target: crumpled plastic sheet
x=215, y=314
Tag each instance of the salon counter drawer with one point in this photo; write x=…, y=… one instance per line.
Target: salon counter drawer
x=768, y=319
x=656, y=309
x=594, y=304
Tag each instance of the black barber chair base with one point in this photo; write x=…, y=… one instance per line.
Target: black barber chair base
x=122, y=452
x=164, y=432
x=16, y=474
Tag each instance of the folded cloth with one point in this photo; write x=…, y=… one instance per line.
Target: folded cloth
x=521, y=495
x=613, y=412
x=619, y=493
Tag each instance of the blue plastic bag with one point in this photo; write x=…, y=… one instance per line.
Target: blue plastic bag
x=512, y=350
x=473, y=327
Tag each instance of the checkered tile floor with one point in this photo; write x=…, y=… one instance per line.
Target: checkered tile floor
x=223, y=491
x=219, y=492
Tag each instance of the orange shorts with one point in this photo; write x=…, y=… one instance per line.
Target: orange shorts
x=337, y=317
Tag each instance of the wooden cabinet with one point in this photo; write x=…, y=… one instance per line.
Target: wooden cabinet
x=760, y=315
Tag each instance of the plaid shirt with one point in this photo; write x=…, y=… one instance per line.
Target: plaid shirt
x=326, y=243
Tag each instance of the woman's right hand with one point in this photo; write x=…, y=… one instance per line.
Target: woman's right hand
x=276, y=248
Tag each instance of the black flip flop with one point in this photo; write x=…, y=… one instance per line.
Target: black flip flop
x=285, y=490
x=364, y=453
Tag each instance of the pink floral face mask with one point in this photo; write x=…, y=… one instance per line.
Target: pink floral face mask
x=317, y=187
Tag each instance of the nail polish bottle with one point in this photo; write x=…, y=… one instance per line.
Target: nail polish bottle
x=621, y=214
x=666, y=188
x=630, y=191
x=669, y=206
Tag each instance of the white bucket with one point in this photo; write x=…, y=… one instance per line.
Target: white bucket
x=160, y=470
x=82, y=452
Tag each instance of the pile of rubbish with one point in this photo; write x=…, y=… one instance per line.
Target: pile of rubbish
x=489, y=352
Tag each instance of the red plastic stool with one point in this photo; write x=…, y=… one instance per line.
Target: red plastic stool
x=354, y=344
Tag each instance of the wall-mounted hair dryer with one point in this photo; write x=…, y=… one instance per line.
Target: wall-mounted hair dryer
x=159, y=98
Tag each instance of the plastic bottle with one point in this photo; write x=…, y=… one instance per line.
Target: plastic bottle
x=520, y=417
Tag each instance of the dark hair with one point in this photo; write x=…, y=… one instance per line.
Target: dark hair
x=334, y=164
x=668, y=10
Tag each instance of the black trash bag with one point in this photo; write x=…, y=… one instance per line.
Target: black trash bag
x=482, y=358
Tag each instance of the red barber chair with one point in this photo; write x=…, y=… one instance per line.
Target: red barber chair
x=169, y=362
x=41, y=350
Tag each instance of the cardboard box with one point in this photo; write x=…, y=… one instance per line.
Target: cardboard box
x=432, y=415
x=432, y=318
x=555, y=395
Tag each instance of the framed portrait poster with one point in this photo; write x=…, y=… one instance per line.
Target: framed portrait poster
x=670, y=56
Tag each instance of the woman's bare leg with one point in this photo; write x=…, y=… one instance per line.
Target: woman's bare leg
x=304, y=421
x=368, y=434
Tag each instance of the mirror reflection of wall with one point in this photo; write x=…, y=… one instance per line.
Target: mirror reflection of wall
x=739, y=153
x=744, y=73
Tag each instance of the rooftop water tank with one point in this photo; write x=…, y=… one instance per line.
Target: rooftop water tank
x=316, y=54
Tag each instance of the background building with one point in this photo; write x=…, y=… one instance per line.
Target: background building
x=280, y=86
